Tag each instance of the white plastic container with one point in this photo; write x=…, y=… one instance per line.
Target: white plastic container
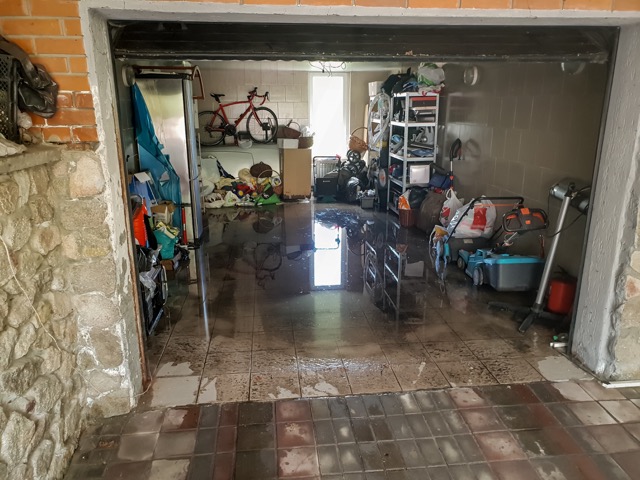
x=419, y=174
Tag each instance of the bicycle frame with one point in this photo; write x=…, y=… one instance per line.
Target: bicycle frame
x=250, y=108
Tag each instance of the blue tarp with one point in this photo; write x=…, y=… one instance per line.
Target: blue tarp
x=152, y=159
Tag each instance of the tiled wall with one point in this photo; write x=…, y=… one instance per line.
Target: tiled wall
x=286, y=83
x=525, y=127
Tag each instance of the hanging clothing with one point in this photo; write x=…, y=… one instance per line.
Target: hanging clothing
x=151, y=157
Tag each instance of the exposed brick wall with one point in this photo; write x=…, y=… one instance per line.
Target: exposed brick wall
x=50, y=31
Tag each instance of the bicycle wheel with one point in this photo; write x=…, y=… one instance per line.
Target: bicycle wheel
x=210, y=130
x=262, y=125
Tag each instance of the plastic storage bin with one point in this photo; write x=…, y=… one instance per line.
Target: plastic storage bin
x=469, y=244
x=367, y=202
x=419, y=174
x=513, y=273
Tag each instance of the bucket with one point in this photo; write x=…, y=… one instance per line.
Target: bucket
x=408, y=218
x=561, y=295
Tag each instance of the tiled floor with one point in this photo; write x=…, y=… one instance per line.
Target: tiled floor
x=247, y=321
x=537, y=431
x=259, y=320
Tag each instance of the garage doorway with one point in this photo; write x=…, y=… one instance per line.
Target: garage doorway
x=460, y=125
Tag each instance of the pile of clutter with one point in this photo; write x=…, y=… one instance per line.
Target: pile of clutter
x=255, y=186
x=428, y=78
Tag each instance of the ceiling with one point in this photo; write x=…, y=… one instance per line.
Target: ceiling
x=350, y=43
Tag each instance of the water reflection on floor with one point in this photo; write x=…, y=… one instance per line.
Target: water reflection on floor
x=288, y=301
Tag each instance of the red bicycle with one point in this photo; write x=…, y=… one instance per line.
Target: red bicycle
x=262, y=123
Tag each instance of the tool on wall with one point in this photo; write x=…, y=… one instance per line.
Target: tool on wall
x=455, y=153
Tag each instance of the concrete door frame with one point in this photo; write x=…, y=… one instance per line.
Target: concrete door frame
x=602, y=287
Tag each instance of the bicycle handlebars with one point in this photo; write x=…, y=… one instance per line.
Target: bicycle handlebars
x=254, y=93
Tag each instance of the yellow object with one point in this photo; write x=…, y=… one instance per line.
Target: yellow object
x=440, y=231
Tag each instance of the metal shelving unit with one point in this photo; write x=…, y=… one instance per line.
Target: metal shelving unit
x=424, y=102
x=393, y=267
x=399, y=284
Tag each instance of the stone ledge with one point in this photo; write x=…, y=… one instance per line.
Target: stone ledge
x=34, y=156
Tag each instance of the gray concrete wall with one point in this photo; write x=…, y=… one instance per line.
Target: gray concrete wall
x=359, y=92
x=524, y=127
x=607, y=329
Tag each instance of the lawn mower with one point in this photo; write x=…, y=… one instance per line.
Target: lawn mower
x=503, y=271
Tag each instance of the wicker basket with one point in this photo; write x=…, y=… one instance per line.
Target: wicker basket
x=356, y=143
x=285, y=131
x=305, y=142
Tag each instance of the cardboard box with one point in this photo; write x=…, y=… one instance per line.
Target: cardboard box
x=287, y=143
x=163, y=212
x=169, y=269
x=295, y=167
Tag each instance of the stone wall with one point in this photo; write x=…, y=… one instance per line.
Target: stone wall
x=62, y=353
x=625, y=346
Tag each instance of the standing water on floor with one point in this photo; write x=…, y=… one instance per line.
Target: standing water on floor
x=309, y=300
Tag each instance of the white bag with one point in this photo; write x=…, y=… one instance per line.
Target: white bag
x=430, y=74
x=477, y=222
x=449, y=207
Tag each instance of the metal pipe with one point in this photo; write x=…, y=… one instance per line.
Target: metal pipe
x=621, y=384
x=538, y=306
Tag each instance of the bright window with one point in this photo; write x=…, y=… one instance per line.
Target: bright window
x=329, y=104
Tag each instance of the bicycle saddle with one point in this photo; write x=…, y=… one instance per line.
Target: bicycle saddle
x=217, y=96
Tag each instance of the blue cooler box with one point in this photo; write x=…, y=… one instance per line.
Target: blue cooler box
x=513, y=273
